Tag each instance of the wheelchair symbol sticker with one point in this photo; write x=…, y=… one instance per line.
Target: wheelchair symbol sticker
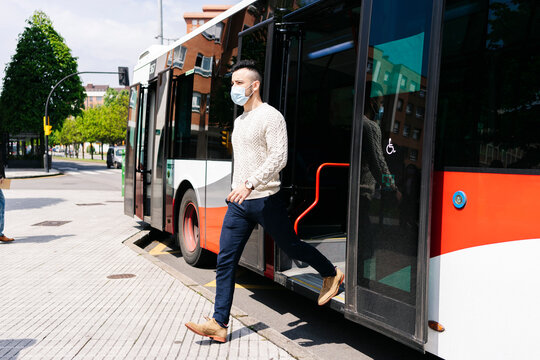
x=390, y=147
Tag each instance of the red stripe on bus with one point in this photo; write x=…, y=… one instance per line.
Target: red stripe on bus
x=499, y=208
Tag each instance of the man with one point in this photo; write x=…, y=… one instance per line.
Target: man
x=260, y=152
x=3, y=238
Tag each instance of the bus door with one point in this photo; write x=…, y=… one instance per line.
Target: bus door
x=156, y=154
x=142, y=166
x=131, y=136
x=391, y=164
x=255, y=44
x=318, y=60
x=179, y=136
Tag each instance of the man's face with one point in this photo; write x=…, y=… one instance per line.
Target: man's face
x=244, y=78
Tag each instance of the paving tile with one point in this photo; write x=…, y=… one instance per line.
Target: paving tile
x=59, y=303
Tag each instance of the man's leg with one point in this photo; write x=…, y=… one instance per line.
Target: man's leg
x=274, y=219
x=3, y=238
x=234, y=234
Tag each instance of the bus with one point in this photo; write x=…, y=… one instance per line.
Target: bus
x=414, y=158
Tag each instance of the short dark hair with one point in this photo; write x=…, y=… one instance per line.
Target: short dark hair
x=250, y=65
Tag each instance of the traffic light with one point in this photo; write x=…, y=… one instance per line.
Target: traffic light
x=46, y=127
x=123, y=76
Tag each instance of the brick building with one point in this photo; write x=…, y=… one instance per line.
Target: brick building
x=95, y=94
x=194, y=20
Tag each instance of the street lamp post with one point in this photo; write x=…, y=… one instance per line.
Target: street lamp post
x=123, y=80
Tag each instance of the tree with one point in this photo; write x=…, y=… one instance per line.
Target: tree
x=41, y=59
x=115, y=116
x=91, y=121
x=107, y=123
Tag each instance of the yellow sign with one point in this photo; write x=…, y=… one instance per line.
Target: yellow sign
x=47, y=129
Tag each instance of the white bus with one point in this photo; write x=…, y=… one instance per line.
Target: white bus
x=414, y=129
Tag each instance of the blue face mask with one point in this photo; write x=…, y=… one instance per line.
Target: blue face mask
x=238, y=95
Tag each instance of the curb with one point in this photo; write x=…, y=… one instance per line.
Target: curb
x=35, y=176
x=250, y=322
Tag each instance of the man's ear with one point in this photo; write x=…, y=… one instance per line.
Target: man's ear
x=256, y=85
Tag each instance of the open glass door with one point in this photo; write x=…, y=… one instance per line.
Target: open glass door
x=391, y=165
x=255, y=44
x=143, y=164
x=129, y=180
x=157, y=151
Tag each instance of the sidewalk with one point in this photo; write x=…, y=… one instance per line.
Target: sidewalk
x=20, y=173
x=74, y=290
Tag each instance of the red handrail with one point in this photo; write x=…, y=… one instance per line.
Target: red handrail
x=317, y=186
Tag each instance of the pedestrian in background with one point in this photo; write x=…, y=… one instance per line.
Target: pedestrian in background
x=260, y=152
x=3, y=238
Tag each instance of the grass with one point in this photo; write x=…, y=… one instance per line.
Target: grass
x=97, y=159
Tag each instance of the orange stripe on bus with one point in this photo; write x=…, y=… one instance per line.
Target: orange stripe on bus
x=500, y=208
x=214, y=220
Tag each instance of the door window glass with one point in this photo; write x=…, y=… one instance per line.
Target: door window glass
x=390, y=160
x=489, y=91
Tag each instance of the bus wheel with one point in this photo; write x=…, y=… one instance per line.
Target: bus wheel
x=188, y=234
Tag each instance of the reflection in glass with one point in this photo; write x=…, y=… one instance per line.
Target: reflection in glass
x=489, y=107
x=390, y=161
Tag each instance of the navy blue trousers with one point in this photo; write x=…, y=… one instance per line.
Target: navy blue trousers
x=271, y=213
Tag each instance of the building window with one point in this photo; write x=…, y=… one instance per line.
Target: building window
x=214, y=33
x=194, y=22
x=406, y=130
x=196, y=102
x=201, y=21
x=203, y=65
x=386, y=76
x=419, y=112
x=416, y=134
x=413, y=154
x=412, y=86
x=179, y=56
x=395, y=129
x=409, y=109
x=400, y=105
x=403, y=81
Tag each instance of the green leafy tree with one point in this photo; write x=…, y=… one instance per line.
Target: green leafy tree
x=115, y=112
x=41, y=59
x=71, y=133
x=91, y=121
x=107, y=124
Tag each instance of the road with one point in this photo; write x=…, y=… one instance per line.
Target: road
x=77, y=175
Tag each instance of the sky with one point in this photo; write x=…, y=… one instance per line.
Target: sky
x=102, y=34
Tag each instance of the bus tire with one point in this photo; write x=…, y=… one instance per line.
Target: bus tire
x=188, y=234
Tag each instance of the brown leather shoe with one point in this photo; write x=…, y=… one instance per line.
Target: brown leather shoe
x=210, y=328
x=330, y=287
x=4, y=238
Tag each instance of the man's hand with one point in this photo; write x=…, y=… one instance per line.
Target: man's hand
x=239, y=194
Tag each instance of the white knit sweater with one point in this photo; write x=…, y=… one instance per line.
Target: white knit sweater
x=259, y=142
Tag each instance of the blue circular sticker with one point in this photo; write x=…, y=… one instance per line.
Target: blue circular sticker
x=459, y=199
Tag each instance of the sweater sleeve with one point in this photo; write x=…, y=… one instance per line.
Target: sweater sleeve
x=275, y=135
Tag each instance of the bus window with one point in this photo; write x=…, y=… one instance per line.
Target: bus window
x=488, y=99
x=183, y=142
